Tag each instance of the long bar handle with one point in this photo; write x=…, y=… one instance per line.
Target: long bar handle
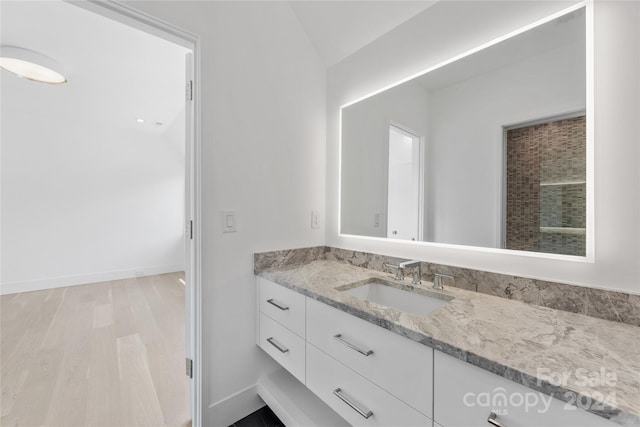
x=352, y=346
x=276, y=345
x=494, y=421
x=275, y=304
x=364, y=412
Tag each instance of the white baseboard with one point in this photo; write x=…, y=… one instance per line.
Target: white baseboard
x=84, y=279
x=233, y=408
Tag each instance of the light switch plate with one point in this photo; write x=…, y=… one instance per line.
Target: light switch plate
x=315, y=219
x=229, y=222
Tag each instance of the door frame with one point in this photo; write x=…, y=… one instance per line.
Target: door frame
x=193, y=179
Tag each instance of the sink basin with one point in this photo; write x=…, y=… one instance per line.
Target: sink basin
x=392, y=297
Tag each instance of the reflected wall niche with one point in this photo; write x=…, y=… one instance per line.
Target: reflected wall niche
x=546, y=187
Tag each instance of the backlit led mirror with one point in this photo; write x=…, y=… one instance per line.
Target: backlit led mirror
x=487, y=151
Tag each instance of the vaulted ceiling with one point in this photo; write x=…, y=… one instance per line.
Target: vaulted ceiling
x=339, y=28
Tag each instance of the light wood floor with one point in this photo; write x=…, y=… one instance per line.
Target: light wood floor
x=104, y=354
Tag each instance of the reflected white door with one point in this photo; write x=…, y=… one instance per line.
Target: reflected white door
x=404, y=199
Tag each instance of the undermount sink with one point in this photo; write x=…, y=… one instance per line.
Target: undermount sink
x=379, y=292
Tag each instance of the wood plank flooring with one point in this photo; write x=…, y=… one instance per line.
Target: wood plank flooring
x=105, y=354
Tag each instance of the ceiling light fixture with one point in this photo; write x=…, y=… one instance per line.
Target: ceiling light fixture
x=30, y=65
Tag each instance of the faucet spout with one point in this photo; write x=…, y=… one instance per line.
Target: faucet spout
x=399, y=270
x=416, y=267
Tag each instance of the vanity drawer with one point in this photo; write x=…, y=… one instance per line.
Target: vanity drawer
x=282, y=305
x=465, y=395
x=402, y=367
x=283, y=345
x=328, y=378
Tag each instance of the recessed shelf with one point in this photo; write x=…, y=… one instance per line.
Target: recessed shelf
x=556, y=183
x=564, y=230
x=294, y=403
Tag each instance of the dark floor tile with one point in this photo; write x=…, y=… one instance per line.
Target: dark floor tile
x=270, y=419
x=253, y=420
x=263, y=417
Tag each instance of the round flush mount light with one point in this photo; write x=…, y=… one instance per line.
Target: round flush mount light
x=30, y=65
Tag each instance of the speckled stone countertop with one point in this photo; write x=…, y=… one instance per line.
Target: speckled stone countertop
x=509, y=338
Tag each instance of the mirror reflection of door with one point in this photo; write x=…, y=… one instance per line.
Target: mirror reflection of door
x=404, y=206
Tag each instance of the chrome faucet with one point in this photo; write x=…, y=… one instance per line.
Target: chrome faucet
x=399, y=270
x=437, y=281
x=416, y=267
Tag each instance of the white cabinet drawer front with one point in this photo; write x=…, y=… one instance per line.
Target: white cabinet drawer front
x=465, y=395
x=328, y=378
x=283, y=305
x=283, y=345
x=402, y=367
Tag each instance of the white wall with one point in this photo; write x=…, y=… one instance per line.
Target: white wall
x=263, y=150
x=466, y=142
x=83, y=200
x=450, y=28
x=366, y=151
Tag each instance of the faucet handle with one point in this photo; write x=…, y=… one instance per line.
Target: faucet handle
x=417, y=274
x=437, y=281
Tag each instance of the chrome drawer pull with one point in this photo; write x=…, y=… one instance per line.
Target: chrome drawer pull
x=364, y=412
x=278, y=346
x=493, y=420
x=352, y=346
x=281, y=307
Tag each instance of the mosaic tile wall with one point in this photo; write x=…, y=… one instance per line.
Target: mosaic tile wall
x=546, y=190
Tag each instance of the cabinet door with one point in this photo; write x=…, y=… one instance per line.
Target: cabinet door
x=283, y=305
x=402, y=367
x=353, y=397
x=465, y=395
x=283, y=345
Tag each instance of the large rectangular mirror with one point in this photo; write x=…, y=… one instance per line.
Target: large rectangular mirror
x=489, y=150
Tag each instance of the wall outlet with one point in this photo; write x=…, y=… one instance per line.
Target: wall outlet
x=376, y=220
x=139, y=273
x=315, y=219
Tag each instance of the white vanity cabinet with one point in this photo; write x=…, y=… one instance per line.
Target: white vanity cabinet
x=465, y=395
x=287, y=348
x=355, y=367
x=371, y=376
x=398, y=365
x=359, y=401
x=283, y=305
x=281, y=326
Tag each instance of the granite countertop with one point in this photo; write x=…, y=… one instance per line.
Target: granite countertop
x=525, y=343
